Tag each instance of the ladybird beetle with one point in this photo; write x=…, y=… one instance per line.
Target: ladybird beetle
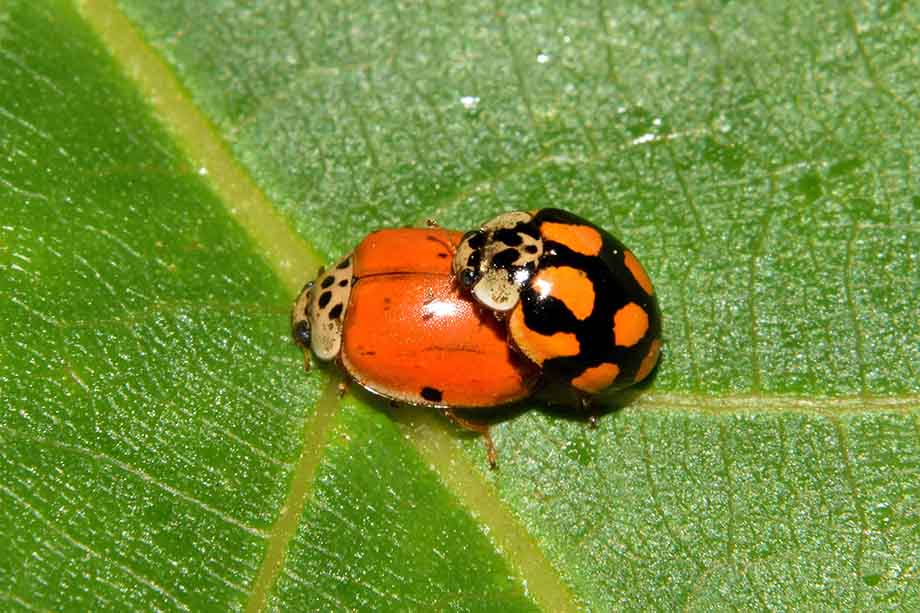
x=390, y=314
x=574, y=299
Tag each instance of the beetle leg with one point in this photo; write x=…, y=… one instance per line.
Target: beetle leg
x=588, y=407
x=481, y=429
x=342, y=388
x=306, y=361
x=451, y=247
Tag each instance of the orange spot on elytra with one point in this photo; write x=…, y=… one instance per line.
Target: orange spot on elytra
x=569, y=285
x=638, y=272
x=649, y=361
x=581, y=239
x=539, y=347
x=596, y=378
x=630, y=324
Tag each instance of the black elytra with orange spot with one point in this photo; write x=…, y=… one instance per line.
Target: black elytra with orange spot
x=585, y=286
x=615, y=287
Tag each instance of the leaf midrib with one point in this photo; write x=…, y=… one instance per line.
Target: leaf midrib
x=289, y=256
x=292, y=260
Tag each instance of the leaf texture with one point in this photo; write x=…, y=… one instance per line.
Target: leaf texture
x=166, y=187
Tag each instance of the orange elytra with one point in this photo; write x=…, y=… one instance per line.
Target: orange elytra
x=392, y=317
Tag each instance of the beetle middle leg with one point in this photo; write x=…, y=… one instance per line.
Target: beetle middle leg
x=481, y=429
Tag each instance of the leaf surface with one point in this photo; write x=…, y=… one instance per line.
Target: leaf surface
x=165, y=190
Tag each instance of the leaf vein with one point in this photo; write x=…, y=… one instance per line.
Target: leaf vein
x=89, y=550
x=140, y=474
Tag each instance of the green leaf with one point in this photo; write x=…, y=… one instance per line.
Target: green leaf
x=167, y=186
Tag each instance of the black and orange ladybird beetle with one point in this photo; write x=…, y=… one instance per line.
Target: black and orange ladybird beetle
x=574, y=299
x=391, y=316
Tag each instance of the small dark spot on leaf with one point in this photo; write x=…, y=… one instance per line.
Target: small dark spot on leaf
x=638, y=121
x=872, y=580
x=809, y=186
x=727, y=155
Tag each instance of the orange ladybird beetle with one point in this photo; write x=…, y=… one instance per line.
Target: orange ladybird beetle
x=574, y=299
x=392, y=317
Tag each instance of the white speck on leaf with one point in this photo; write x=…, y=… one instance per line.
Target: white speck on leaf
x=469, y=102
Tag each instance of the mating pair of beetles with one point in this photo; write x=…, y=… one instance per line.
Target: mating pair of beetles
x=530, y=301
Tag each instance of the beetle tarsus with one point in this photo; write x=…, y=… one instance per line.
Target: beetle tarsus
x=491, y=453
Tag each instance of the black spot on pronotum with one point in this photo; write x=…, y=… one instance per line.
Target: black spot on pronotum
x=301, y=333
x=343, y=264
x=324, y=299
x=508, y=236
x=531, y=249
x=505, y=258
x=336, y=311
x=431, y=394
x=343, y=283
x=327, y=282
x=476, y=239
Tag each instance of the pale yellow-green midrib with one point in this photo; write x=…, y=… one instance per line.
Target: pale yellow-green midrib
x=293, y=261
